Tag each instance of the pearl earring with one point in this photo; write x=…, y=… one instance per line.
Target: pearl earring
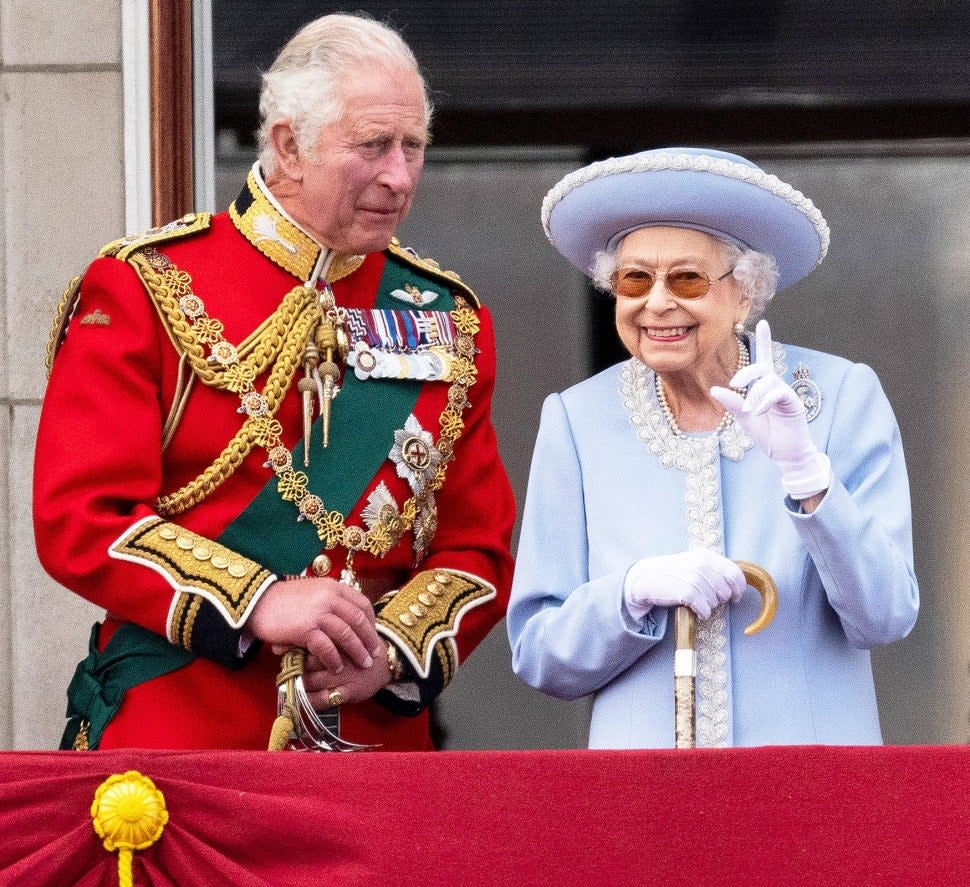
x=739, y=329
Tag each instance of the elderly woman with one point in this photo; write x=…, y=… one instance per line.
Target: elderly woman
x=709, y=445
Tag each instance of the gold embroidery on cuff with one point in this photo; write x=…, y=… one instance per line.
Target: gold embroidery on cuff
x=427, y=610
x=194, y=564
x=447, y=653
x=183, y=619
x=178, y=618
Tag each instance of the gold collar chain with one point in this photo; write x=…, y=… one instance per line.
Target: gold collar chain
x=286, y=335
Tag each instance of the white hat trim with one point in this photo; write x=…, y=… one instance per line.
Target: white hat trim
x=696, y=163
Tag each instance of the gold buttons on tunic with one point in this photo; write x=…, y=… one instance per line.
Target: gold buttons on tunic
x=186, y=543
x=418, y=610
x=408, y=620
x=426, y=599
x=321, y=565
x=168, y=533
x=201, y=552
x=443, y=578
x=237, y=570
x=220, y=561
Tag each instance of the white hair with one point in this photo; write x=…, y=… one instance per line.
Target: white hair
x=306, y=83
x=756, y=273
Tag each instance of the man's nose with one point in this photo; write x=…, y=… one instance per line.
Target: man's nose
x=398, y=171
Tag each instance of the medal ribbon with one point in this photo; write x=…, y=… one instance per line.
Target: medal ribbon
x=362, y=425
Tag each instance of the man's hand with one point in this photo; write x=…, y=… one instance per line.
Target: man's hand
x=332, y=621
x=355, y=684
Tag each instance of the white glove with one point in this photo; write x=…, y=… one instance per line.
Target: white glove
x=699, y=579
x=774, y=416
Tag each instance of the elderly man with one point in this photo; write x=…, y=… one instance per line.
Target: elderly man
x=269, y=430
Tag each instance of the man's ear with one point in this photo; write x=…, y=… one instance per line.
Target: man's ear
x=288, y=159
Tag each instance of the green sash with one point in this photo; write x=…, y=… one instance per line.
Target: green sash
x=362, y=424
x=132, y=656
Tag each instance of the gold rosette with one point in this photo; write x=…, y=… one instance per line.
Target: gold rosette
x=129, y=814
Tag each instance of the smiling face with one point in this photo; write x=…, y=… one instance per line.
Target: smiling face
x=677, y=336
x=356, y=188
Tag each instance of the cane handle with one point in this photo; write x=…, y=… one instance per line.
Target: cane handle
x=760, y=580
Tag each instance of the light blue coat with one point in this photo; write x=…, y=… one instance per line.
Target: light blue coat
x=600, y=499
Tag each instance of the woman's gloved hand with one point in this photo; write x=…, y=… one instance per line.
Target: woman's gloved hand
x=699, y=579
x=774, y=416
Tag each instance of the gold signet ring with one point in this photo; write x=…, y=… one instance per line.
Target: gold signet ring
x=335, y=698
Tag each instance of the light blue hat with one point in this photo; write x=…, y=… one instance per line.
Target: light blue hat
x=722, y=194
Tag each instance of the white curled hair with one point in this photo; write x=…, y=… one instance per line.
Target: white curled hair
x=756, y=273
x=305, y=83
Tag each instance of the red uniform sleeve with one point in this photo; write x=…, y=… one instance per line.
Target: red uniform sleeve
x=98, y=465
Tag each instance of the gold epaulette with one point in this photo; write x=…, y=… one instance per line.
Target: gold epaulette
x=433, y=269
x=191, y=223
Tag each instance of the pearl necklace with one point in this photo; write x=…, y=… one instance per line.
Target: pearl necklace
x=744, y=358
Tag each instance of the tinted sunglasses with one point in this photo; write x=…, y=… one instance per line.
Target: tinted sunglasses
x=634, y=283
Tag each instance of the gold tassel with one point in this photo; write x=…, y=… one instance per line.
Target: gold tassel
x=291, y=667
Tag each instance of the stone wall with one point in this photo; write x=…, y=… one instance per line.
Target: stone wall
x=62, y=197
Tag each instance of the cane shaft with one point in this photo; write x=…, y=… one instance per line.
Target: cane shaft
x=685, y=676
x=684, y=713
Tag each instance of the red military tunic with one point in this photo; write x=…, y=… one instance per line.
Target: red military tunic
x=157, y=499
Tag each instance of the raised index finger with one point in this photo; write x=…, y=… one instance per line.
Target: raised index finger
x=762, y=333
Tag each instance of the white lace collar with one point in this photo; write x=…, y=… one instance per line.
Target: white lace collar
x=681, y=451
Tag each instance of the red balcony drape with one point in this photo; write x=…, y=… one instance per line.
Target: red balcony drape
x=771, y=816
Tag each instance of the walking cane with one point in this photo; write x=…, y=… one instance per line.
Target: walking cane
x=685, y=652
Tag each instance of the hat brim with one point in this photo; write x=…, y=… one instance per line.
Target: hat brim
x=595, y=207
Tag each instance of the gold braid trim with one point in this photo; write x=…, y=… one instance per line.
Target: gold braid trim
x=189, y=224
x=427, y=610
x=433, y=270
x=62, y=317
x=183, y=619
x=447, y=654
